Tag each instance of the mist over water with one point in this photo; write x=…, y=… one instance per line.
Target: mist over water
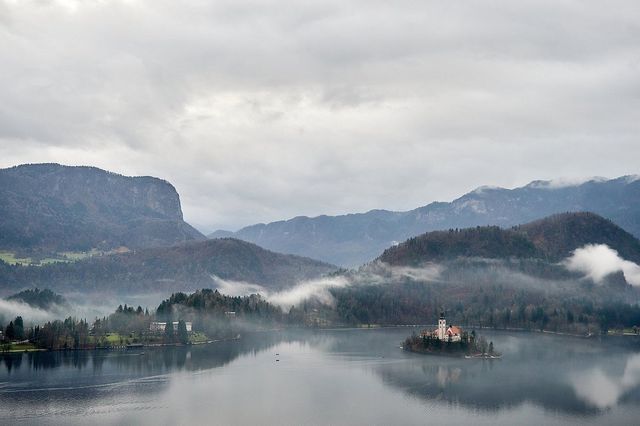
x=328, y=377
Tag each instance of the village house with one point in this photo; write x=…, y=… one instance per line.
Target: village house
x=160, y=326
x=451, y=333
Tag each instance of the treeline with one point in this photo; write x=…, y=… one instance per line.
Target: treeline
x=218, y=315
x=552, y=239
x=69, y=333
x=43, y=299
x=73, y=333
x=496, y=306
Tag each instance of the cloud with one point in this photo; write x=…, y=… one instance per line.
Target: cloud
x=597, y=261
x=258, y=111
x=313, y=289
x=377, y=273
x=566, y=182
x=237, y=288
x=10, y=309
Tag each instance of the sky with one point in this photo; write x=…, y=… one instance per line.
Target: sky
x=265, y=110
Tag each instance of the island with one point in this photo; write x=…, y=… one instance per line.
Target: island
x=450, y=341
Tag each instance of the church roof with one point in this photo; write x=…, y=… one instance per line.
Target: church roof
x=455, y=330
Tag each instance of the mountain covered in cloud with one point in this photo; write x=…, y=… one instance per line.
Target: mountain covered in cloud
x=182, y=267
x=54, y=208
x=353, y=239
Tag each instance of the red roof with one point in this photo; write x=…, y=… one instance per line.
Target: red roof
x=454, y=330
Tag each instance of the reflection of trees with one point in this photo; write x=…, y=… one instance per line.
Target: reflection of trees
x=147, y=360
x=535, y=368
x=96, y=370
x=12, y=361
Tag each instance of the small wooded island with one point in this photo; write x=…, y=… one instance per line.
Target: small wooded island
x=450, y=341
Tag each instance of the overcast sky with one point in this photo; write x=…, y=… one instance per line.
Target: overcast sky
x=264, y=110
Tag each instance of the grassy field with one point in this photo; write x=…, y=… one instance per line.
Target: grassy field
x=197, y=337
x=23, y=347
x=67, y=256
x=11, y=259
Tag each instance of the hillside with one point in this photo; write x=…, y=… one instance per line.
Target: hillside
x=486, y=242
x=183, y=267
x=43, y=299
x=54, y=208
x=551, y=239
x=353, y=239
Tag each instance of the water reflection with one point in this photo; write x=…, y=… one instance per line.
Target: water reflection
x=575, y=377
x=562, y=375
x=604, y=390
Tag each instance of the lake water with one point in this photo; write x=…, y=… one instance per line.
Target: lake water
x=328, y=377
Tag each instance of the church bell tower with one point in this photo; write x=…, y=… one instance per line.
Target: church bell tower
x=442, y=326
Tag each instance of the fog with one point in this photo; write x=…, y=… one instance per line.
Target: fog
x=237, y=288
x=80, y=305
x=9, y=309
x=472, y=270
x=596, y=261
x=312, y=289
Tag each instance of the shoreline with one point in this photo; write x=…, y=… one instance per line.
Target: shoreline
x=120, y=347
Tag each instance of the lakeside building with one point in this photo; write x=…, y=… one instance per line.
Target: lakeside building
x=451, y=333
x=161, y=326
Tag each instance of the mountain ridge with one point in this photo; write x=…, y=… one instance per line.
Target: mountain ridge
x=182, y=267
x=352, y=239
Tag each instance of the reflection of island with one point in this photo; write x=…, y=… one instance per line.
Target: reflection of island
x=561, y=375
x=574, y=377
x=450, y=341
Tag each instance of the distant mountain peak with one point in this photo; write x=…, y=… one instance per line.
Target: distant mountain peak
x=351, y=240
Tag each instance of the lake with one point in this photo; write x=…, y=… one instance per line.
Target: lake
x=328, y=377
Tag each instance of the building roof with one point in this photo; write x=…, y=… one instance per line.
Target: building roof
x=454, y=330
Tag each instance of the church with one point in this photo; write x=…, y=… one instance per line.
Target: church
x=451, y=333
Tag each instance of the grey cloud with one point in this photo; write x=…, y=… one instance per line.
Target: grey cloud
x=259, y=111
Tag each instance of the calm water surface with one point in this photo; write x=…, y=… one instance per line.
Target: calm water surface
x=328, y=377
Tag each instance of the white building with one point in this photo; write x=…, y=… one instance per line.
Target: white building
x=160, y=326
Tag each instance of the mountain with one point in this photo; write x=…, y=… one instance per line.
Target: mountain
x=495, y=277
x=551, y=239
x=183, y=267
x=353, y=239
x=54, y=208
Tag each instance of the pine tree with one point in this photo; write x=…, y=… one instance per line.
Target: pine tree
x=168, y=332
x=183, y=335
x=18, y=328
